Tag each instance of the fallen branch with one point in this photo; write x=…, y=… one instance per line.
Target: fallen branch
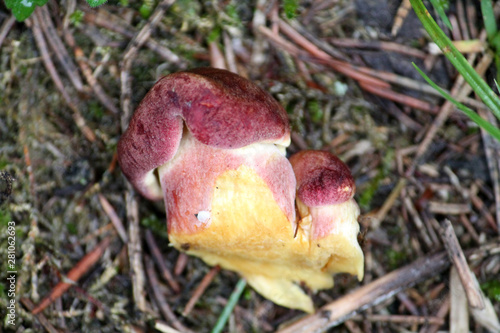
x=370, y=295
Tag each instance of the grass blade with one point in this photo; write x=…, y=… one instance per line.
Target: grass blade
x=489, y=19
x=487, y=126
x=438, y=6
x=231, y=303
x=457, y=59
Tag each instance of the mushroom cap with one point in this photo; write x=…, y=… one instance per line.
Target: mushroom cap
x=322, y=178
x=219, y=108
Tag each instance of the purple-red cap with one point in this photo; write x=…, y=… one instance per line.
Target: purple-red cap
x=322, y=178
x=220, y=109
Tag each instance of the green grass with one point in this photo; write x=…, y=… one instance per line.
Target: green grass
x=479, y=86
x=231, y=303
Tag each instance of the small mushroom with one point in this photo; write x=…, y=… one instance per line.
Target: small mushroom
x=212, y=144
x=325, y=190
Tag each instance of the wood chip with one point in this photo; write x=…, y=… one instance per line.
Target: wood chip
x=457, y=257
x=135, y=250
x=459, y=313
x=444, y=208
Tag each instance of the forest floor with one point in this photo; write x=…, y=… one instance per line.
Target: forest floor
x=93, y=256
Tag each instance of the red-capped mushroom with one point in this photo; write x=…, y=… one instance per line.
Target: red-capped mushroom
x=212, y=144
x=325, y=190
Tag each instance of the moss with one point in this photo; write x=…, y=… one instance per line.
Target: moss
x=156, y=225
x=214, y=35
x=290, y=7
x=95, y=110
x=233, y=13
x=5, y=217
x=315, y=111
x=76, y=18
x=395, y=258
x=187, y=10
x=492, y=289
x=383, y=171
x=72, y=229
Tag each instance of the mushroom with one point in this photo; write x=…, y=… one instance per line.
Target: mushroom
x=325, y=190
x=212, y=145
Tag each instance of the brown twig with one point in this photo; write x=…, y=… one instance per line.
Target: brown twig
x=417, y=220
x=108, y=21
x=486, y=250
x=135, y=249
x=158, y=258
x=480, y=206
x=31, y=176
x=49, y=65
x=318, y=56
x=58, y=48
x=354, y=328
x=472, y=16
x=492, y=150
x=459, y=89
x=389, y=202
x=300, y=40
x=400, y=319
x=164, y=328
x=134, y=245
x=106, y=229
x=445, y=208
x=165, y=309
x=323, y=45
x=259, y=44
x=28, y=304
x=6, y=182
x=180, y=264
x=130, y=53
x=369, y=295
x=115, y=219
x=205, y=282
x=457, y=257
x=378, y=45
x=229, y=53
x=462, y=20
x=89, y=76
x=403, y=10
x=402, y=296
x=419, y=86
x=216, y=57
x=142, y=36
x=5, y=28
x=442, y=312
x=367, y=82
x=397, y=97
x=340, y=66
x=470, y=228
x=89, y=260
x=299, y=141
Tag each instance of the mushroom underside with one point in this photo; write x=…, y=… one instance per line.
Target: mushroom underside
x=229, y=212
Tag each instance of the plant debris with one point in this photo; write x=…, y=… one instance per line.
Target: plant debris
x=428, y=178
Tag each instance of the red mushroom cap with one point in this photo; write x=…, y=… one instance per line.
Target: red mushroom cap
x=219, y=108
x=322, y=178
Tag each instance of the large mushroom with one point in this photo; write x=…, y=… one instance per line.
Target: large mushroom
x=212, y=145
